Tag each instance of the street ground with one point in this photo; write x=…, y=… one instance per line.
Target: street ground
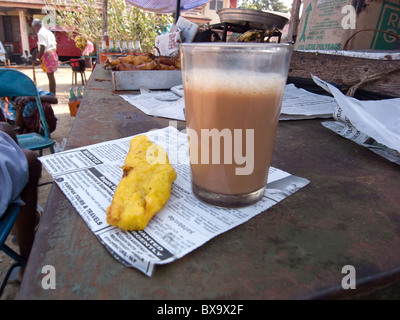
x=64, y=124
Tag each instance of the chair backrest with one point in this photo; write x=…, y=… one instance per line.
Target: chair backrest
x=78, y=65
x=14, y=83
x=7, y=221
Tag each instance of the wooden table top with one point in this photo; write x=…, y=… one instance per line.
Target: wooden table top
x=349, y=214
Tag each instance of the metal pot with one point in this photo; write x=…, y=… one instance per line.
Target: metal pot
x=255, y=19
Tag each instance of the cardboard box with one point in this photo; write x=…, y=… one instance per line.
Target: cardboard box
x=349, y=25
x=151, y=79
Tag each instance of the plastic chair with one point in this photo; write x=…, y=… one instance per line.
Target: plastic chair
x=15, y=83
x=7, y=221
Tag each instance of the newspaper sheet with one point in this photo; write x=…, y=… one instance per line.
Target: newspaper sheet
x=89, y=175
x=188, y=29
x=166, y=104
x=297, y=103
x=372, y=124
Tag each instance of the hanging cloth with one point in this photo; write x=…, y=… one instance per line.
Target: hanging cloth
x=166, y=6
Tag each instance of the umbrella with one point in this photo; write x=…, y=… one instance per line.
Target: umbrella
x=167, y=6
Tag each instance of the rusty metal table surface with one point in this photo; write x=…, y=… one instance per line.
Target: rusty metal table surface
x=348, y=215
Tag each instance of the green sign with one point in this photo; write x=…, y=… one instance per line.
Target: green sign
x=389, y=23
x=303, y=36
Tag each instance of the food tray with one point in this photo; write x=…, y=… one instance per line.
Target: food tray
x=151, y=79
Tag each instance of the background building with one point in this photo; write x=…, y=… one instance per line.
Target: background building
x=16, y=32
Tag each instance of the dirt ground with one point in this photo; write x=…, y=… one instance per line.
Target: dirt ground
x=64, y=124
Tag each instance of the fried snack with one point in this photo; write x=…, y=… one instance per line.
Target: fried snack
x=115, y=62
x=178, y=64
x=125, y=67
x=145, y=186
x=131, y=60
x=144, y=66
x=165, y=60
x=146, y=61
x=137, y=60
x=161, y=66
x=177, y=60
x=252, y=36
x=147, y=65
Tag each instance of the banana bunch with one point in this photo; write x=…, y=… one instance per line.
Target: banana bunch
x=252, y=36
x=80, y=42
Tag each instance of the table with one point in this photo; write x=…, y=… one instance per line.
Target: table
x=348, y=215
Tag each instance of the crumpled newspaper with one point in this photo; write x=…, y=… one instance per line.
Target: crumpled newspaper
x=59, y=147
x=373, y=124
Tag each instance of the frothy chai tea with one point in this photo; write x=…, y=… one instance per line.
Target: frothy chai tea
x=232, y=119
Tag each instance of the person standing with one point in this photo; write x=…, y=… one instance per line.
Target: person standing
x=47, y=53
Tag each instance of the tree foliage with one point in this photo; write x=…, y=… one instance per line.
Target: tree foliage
x=125, y=22
x=270, y=5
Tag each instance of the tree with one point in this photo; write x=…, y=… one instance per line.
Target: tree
x=271, y=5
x=125, y=22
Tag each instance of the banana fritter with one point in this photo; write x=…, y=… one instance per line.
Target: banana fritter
x=145, y=186
x=147, y=61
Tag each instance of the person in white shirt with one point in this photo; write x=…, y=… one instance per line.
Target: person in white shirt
x=20, y=171
x=47, y=52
